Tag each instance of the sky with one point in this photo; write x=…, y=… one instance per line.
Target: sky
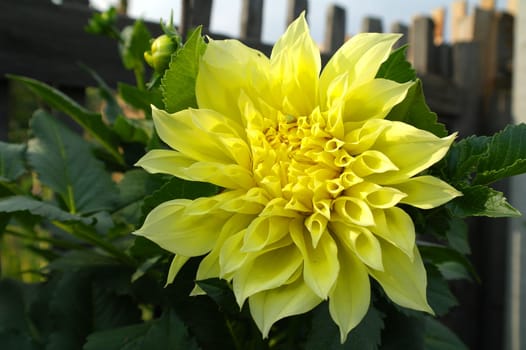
x=226, y=13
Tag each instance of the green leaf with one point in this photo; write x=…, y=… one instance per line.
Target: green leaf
x=506, y=155
x=439, y=296
x=11, y=161
x=177, y=188
x=77, y=259
x=141, y=99
x=414, y=110
x=70, y=310
x=403, y=331
x=132, y=130
x=122, y=338
x=169, y=332
x=111, y=109
x=324, y=333
x=64, y=162
x=481, y=200
x=457, y=235
x=397, y=68
x=91, y=122
x=221, y=293
x=178, y=83
x=439, y=337
x=136, y=40
x=36, y=207
x=462, y=159
x=445, y=258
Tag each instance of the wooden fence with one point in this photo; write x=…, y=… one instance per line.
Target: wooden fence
x=467, y=82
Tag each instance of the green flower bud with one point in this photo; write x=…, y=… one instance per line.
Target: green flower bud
x=160, y=52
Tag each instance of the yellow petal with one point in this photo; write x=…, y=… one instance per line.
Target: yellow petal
x=230, y=256
x=349, y=300
x=372, y=162
x=210, y=266
x=426, y=192
x=296, y=64
x=177, y=263
x=404, y=281
x=361, y=242
x=353, y=211
x=410, y=149
x=231, y=176
x=264, y=231
x=272, y=305
x=395, y=226
x=176, y=227
x=373, y=99
x=359, y=58
x=321, y=266
x=227, y=68
x=203, y=135
x=261, y=274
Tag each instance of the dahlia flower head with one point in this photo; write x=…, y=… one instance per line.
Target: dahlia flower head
x=312, y=178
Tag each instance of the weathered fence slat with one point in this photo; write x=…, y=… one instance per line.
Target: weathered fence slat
x=251, y=19
x=335, y=28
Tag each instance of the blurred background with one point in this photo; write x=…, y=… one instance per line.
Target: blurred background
x=470, y=56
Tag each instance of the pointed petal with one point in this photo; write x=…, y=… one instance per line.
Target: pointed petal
x=185, y=227
x=263, y=231
x=350, y=298
x=395, y=226
x=426, y=192
x=227, y=68
x=404, y=281
x=177, y=263
x=373, y=99
x=269, y=270
x=203, y=135
x=321, y=266
x=361, y=242
x=296, y=65
x=270, y=306
x=410, y=149
x=359, y=58
x=231, y=176
x=210, y=266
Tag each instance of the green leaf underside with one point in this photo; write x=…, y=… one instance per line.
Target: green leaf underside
x=11, y=161
x=397, y=68
x=91, y=122
x=482, y=200
x=178, y=83
x=64, y=162
x=39, y=208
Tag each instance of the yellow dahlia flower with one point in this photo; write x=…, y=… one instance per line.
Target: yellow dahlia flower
x=312, y=175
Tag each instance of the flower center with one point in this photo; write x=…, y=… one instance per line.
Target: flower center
x=299, y=160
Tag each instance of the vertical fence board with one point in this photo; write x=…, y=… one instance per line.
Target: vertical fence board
x=421, y=45
x=439, y=18
x=251, y=19
x=372, y=25
x=294, y=8
x=335, y=28
x=195, y=13
x=398, y=27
